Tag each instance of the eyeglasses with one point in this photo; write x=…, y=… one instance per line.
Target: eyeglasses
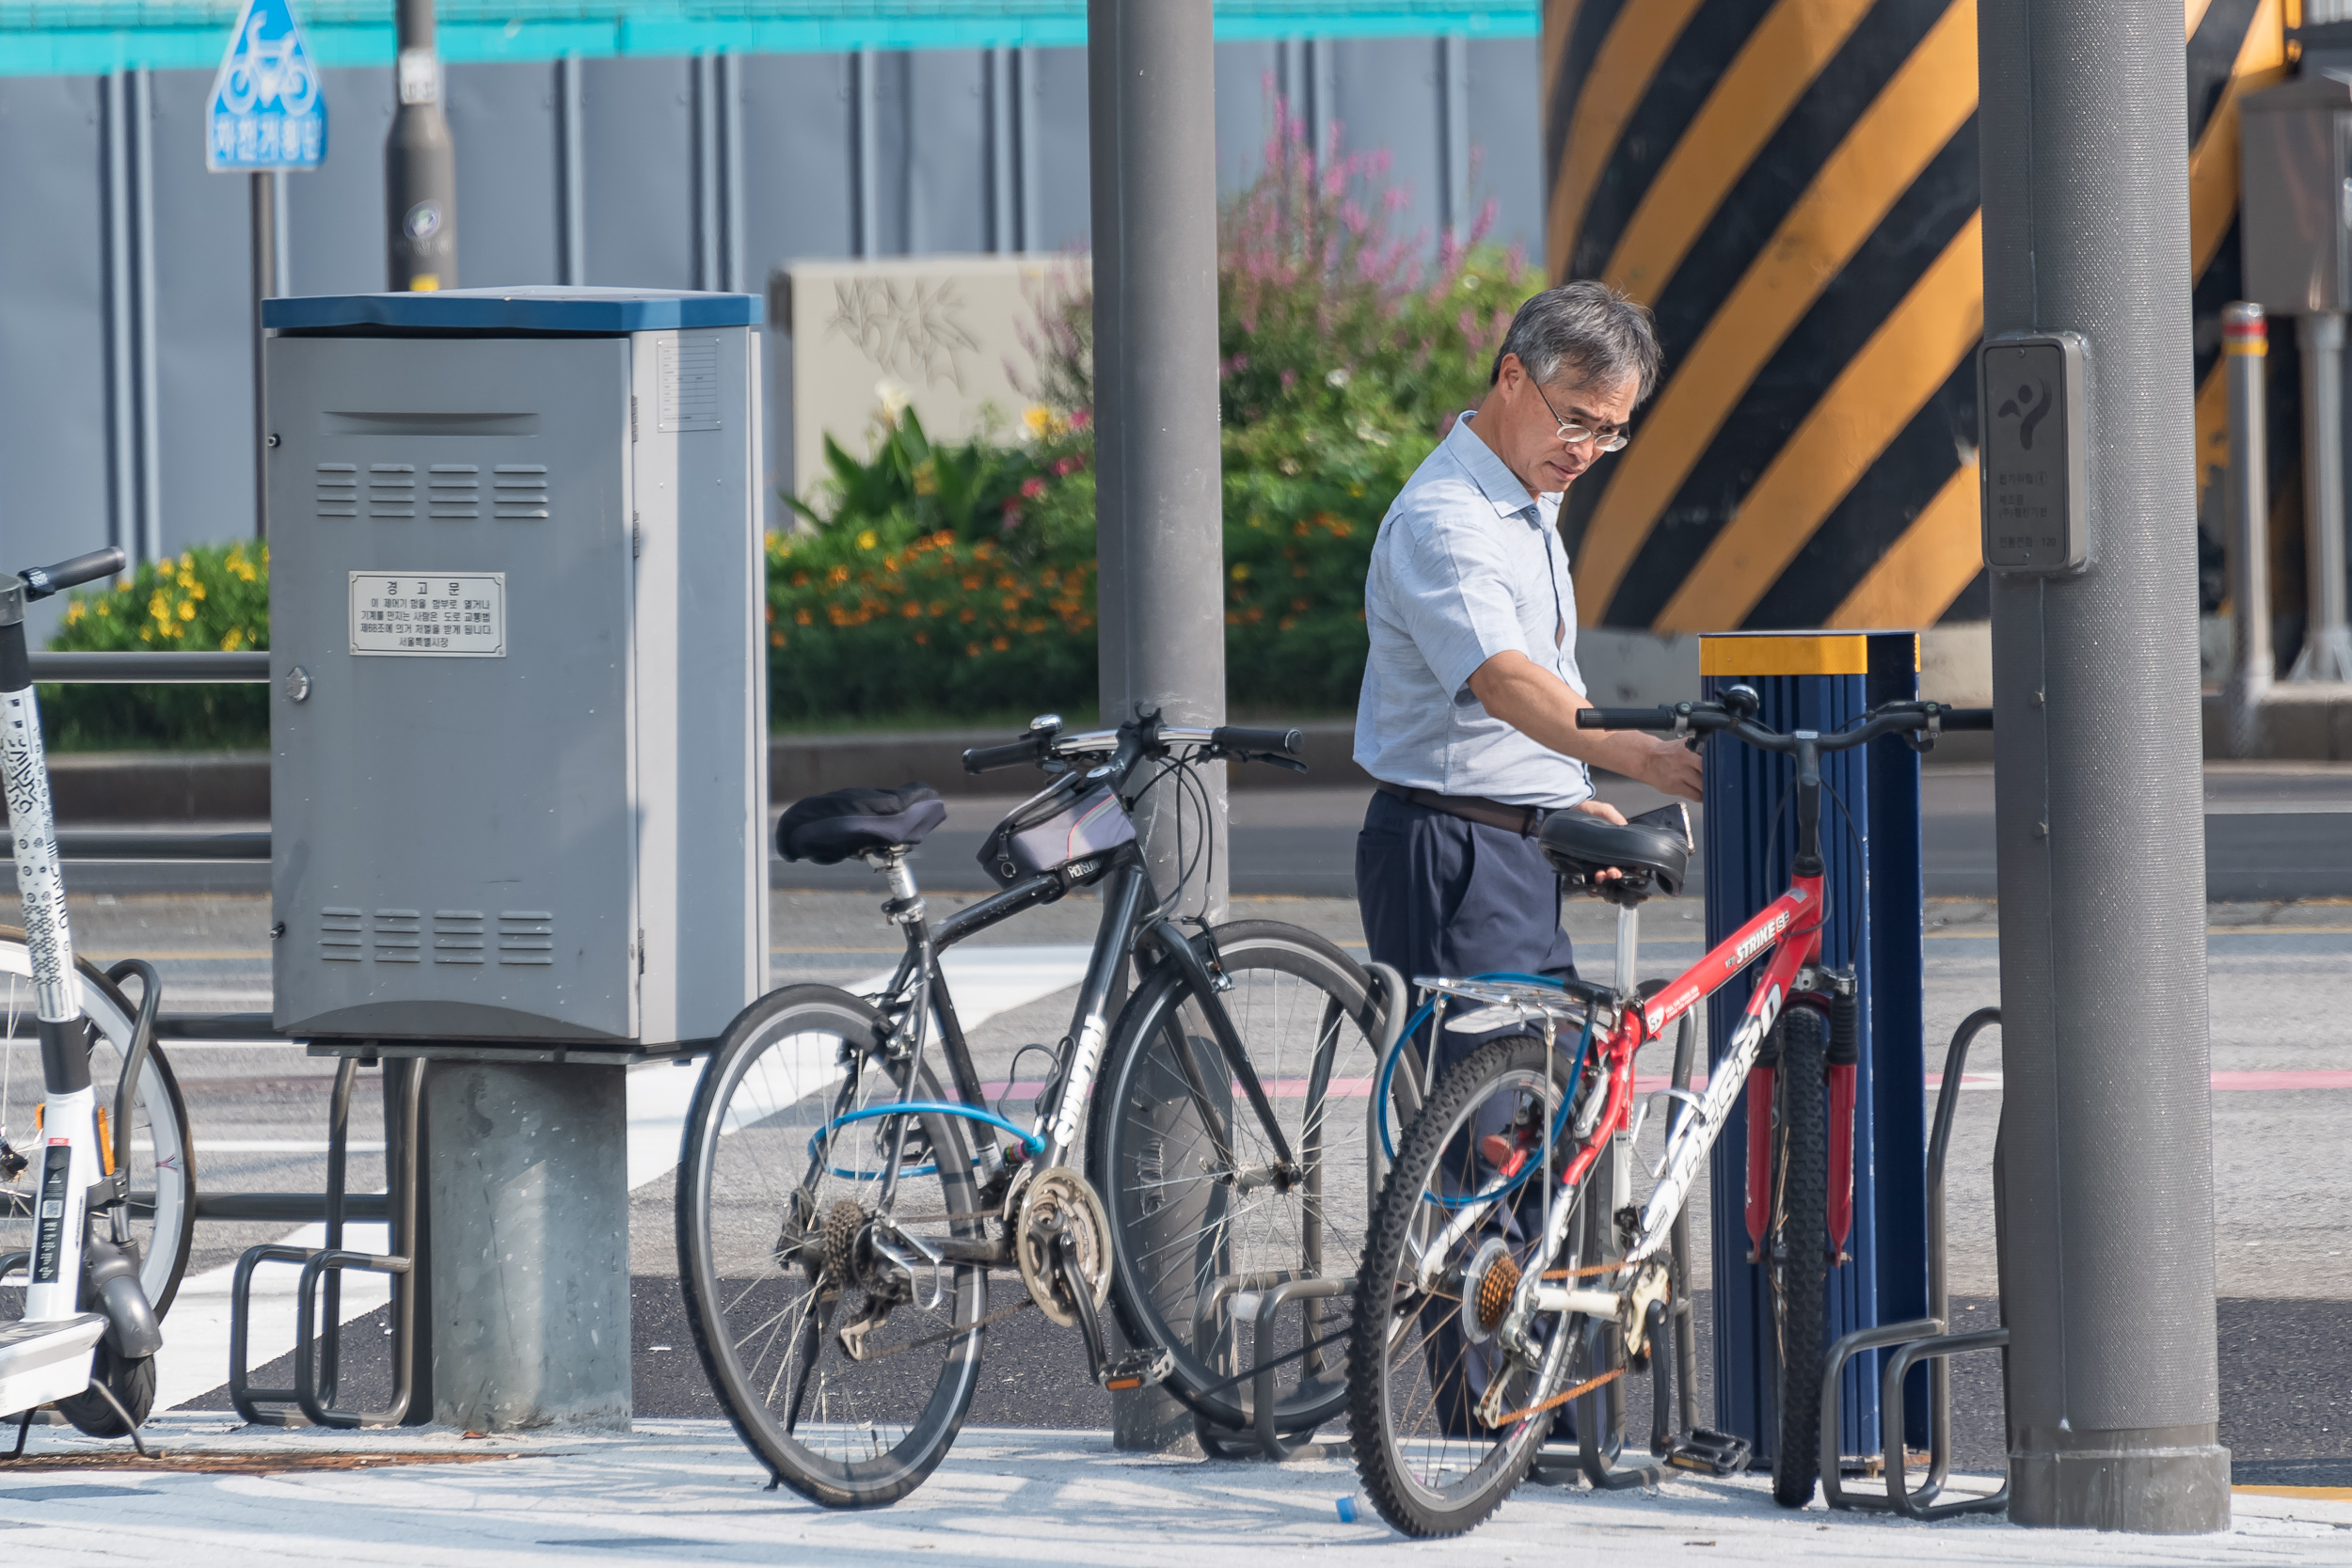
x=1612, y=439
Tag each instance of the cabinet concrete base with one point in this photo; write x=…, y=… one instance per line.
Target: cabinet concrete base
x=528, y=1182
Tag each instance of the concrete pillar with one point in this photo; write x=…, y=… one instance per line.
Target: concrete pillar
x=528, y=1179
x=1158, y=510
x=2107, y=1133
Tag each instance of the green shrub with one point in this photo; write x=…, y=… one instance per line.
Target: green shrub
x=1342, y=356
x=213, y=598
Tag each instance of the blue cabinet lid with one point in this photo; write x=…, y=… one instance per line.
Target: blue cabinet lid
x=546, y=309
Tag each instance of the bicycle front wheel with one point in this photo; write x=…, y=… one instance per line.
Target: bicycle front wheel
x=1445, y=1422
x=163, y=1162
x=847, y=1373
x=1201, y=1228
x=1797, y=1252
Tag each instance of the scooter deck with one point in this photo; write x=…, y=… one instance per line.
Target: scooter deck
x=48, y=1360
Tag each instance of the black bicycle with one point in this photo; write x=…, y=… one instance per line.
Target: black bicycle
x=840, y=1211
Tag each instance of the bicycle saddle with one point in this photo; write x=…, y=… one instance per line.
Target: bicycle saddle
x=1652, y=855
x=830, y=828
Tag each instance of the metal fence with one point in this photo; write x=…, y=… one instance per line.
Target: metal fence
x=125, y=390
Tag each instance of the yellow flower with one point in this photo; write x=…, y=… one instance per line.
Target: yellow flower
x=235, y=641
x=187, y=610
x=104, y=608
x=159, y=607
x=1037, y=420
x=865, y=540
x=73, y=611
x=195, y=590
x=1241, y=571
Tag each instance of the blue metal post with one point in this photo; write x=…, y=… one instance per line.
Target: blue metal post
x=1870, y=842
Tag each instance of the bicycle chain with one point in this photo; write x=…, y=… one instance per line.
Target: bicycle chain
x=993, y=1318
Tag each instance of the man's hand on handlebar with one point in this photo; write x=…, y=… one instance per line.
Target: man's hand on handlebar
x=1668, y=767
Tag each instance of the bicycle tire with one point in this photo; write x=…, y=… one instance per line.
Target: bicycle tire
x=131, y=1381
x=163, y=1182
x=1799, y=1253
x=1403, y=1353
x=750, y=1226
x=1304, y=1012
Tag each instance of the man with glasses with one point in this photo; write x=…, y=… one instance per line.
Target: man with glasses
x=1468, y=715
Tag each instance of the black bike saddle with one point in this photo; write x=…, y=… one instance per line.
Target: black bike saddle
x=830, y=828
x=1652, y=855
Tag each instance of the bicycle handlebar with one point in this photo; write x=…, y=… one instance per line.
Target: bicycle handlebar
x=41, y=582
x=1029, y=748
x=1228, y=737
x=1137, y=740
x=1709, y=717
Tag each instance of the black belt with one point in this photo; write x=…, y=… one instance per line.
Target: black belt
x=1526, y=821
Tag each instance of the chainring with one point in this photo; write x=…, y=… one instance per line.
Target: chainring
x=1061, y=1193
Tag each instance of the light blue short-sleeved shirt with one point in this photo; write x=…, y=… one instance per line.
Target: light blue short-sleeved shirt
x=1467, y=565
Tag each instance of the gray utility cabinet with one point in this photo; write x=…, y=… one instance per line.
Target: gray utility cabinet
x=518, y=773
x=2296, y=216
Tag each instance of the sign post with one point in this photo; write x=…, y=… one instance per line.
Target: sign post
x=268, y=115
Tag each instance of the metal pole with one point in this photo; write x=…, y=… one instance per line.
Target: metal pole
x=570, y=176
x=420, y=166
x=261, y=199
x=2245, y=343
x=2326, y=654
x=142, y=150
x=2106, y=1211
x=1159, y=517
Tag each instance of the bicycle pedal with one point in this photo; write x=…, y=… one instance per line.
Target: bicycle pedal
x=1717, y=1453
x=1137, y=1369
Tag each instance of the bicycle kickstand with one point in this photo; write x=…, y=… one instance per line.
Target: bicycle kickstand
x=1134, y=1369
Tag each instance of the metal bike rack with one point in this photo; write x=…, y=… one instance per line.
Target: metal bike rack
x=1926, y=1339
x=1213, y=1333
x=318, y=1340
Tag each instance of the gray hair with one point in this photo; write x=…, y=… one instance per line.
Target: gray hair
x=1585, y=330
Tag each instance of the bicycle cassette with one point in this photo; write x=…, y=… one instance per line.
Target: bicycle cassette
x=1055, y=1201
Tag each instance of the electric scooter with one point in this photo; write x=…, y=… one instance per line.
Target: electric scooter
x=89, y=1328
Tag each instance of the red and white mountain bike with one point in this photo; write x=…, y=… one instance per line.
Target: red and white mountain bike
x=1510, y=1271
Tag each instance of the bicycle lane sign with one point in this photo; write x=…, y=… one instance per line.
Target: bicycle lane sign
x=269, y=108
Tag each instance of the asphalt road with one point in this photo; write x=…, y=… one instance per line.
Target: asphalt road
x=2281, y=983
x=2273, y=831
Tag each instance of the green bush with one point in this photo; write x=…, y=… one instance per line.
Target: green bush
x=214, y=597
x=1340, y=359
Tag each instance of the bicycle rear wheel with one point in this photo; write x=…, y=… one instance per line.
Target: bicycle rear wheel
x=163, y=1162
x=830, y=1365
x=1451, y=1239
x=1797, y=1252
x=1191, y=1232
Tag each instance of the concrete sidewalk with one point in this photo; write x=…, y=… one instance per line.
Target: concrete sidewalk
x=686, y=1491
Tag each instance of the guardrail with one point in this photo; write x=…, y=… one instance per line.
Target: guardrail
x=189, y=668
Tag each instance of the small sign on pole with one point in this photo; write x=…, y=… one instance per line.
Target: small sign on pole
x=269, y=108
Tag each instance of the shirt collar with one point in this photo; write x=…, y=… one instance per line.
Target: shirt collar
x=1493, y=477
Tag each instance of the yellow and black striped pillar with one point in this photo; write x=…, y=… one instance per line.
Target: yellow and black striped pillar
x=1791, y=186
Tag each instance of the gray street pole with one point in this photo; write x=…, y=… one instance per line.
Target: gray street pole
x=420, y=166
x=2326, y=654
x=262, y=194
x=2105, y=1211
x=1158, y=510
x=2245, y=344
